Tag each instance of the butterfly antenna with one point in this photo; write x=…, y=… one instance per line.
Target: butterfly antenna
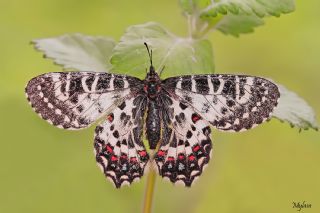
x=161, y=70
x=149, y=53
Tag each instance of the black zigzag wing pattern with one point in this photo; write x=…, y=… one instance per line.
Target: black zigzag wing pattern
x=74, y=100
x=228, y=102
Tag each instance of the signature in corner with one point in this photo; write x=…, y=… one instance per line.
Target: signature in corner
x=301, y=205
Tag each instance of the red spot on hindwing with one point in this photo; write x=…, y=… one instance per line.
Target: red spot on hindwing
x=142, y=153
x=196, y=148
x=161, y=153
x=110, y=117
x=181, y=157
x=170, y=158
x=114, y=158
x=195, y=117
x=191, y=157
x=124, y=156
x=133, y=159
x=109, y=148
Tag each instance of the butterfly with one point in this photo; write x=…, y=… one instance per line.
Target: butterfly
x=174, y=115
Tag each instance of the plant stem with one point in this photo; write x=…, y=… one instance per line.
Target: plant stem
x=148, y=197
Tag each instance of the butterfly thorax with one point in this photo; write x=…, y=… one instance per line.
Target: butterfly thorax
x=152, y=84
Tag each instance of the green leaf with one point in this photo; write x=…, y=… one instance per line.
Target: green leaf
x=191, y=6
x=238, y=24
x=177, y=55
x=236, y=16
x=294, y=110
x=231, y=16
x=188, y=6
x=261, y=8
x=78, y=52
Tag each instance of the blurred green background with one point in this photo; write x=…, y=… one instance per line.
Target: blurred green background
x=45, y=169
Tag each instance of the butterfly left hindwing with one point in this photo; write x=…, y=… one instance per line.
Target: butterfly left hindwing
x=119, y=148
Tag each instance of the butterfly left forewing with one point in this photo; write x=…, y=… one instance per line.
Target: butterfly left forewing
x=74, y=100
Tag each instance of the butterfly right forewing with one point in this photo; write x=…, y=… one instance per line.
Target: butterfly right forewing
x=228, y=102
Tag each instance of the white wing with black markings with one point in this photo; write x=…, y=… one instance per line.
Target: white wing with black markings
x=74, y=100
x=228, y=102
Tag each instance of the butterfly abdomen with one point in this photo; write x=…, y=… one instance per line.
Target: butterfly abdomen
x=153, y=124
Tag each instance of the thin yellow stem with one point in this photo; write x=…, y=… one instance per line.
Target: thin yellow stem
x=148, y=197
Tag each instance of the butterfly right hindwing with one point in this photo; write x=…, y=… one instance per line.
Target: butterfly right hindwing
x=186, y=145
